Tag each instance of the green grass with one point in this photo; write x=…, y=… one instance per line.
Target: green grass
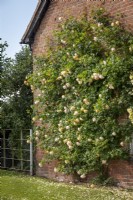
x=15, y=186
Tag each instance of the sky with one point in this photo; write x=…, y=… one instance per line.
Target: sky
x=14, y=18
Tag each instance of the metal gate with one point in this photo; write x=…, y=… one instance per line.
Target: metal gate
x=15, y=153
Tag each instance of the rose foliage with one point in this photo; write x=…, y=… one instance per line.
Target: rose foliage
x=130, y=110
x=84, y=91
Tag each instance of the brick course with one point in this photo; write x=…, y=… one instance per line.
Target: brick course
x=121, y=171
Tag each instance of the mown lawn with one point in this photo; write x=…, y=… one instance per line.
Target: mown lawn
x=15, y=186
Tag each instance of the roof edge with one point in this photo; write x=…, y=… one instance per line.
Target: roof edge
x=35, y=21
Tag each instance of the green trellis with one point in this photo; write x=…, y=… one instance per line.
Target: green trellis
x=16, y=153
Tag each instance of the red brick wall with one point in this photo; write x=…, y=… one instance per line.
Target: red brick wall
x=122, y=172
x=66, y=8
x=47, y=170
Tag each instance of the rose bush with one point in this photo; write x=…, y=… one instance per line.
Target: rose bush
x=84, y=90
x=130, y=110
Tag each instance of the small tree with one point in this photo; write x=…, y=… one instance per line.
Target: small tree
x=85, y=90
x=16, y=98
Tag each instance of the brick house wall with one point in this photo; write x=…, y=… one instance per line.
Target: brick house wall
x=76, y=8
x=121, y=171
